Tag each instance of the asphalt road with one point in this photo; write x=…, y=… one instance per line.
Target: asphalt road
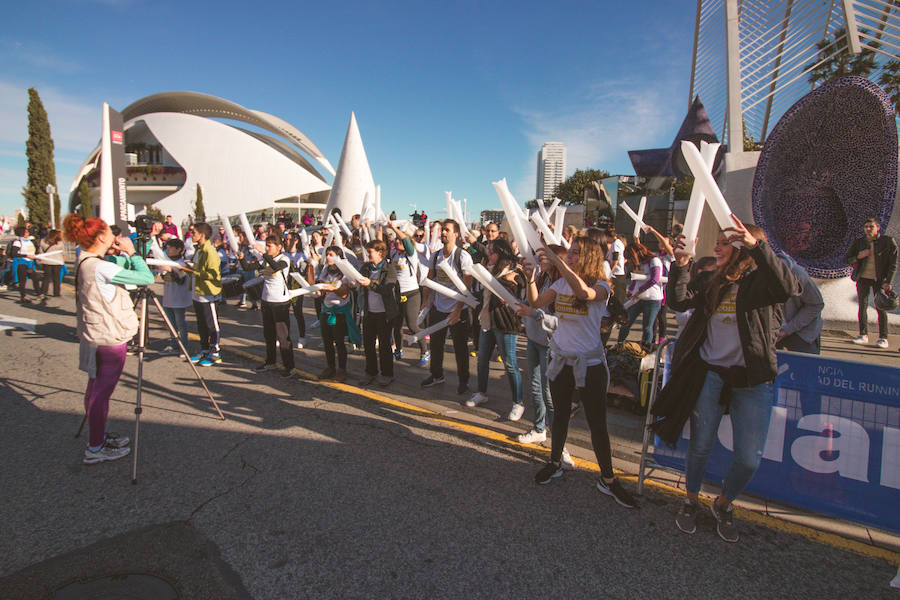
x=306, y=491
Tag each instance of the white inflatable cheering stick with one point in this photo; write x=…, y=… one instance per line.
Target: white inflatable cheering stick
x=637, y=218
x=229, y=235
x=703, y=178
x=698, y=200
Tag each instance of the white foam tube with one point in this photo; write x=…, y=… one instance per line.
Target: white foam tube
x=542, y=227
x=638, y=222
x=366, y=207
x=445, y=291
x=414, y=339
x=251, y=282
x=348, y=270
x=459, y=218
x=366, y=236
x=329, y=239
x=299, y=279
x=552, y=210
x=48, y=261
x=704, y=178
x=156, y=262
x=426, y=229
x=479, y=272
x=697, y=201
x=436, y=237
x=156, y=251
x=378, y=213
x=423, y=314
x=229, y=234
x=47, y=254
x=542, y=210
x=318, y=287
x=534, y=241
x=342, y=224
x=245, y=225
x=511, y=208
x=454, y=277
x=560, y=217
x=450, y=210
x=304, y=240
x=642, y=277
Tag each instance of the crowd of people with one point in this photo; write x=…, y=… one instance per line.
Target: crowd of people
x=733, y=309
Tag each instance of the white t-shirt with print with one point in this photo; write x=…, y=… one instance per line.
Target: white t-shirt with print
x=331, y=298
x=441, y=302
x=407, y=271
x=579, y=328
x=618, y=267
x=722, y=347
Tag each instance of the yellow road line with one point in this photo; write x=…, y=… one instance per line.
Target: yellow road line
x=822, y=537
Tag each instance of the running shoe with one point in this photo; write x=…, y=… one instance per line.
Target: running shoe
x=477, y=399
x=104, y=454
x=619, y=494
x=532, y=437
x=686, y=519
x=114, y=440
x=548, y=473
x=199, y=356
x=211, y=359
x=398, y=354
x=265, y=367
x=432, y=380
x=423, y=362
x=725, y=522
x=516, y=412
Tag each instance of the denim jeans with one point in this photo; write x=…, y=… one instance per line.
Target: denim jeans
x=179, y=322
x=750, y=410
x=649, y=308
x=540, y=386
x=506, y=344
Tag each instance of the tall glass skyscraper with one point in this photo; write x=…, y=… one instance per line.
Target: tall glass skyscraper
x=551, y=169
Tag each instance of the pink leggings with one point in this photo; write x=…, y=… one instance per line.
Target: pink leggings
x=110, y=362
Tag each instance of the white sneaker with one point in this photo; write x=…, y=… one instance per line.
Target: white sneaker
x=532, y=437
x=863, y=339
x=882, y=343
x=477, y=399
x=566, y=460
x=516, y=412
x=301, y=343
x=104, y=454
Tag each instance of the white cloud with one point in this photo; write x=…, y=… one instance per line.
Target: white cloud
x=616, y=116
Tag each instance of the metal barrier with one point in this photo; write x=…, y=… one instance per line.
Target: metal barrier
x=647, y=461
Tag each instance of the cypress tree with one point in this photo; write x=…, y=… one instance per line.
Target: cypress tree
x=41, y=170
x=84, y=197
x=199, y=211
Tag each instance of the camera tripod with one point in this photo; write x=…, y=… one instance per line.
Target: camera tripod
x=143, y=294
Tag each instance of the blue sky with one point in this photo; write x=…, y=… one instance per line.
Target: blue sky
x=449, y=96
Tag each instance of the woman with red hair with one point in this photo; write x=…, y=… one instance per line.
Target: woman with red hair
x=106, y=322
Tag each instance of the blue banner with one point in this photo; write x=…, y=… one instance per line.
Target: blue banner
x=833, y=444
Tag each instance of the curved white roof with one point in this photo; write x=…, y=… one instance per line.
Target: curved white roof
x=236, y=165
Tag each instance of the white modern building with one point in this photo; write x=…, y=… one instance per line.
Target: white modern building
x=177, y=140
x=551, y=169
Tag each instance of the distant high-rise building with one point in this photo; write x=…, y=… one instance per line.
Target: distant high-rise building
x=551, y=169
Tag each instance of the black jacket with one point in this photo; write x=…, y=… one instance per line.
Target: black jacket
x=758, y=291
x=503, y=316
x=885, y=258
x=771, y=283
x=386, y=286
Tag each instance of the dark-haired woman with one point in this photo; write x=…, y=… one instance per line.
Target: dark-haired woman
x=499, y=326
x=644, y=295
x=106, y=322
x=578, y=363
x=727, y=352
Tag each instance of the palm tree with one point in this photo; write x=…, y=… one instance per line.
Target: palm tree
x=890, y=81
x=837, y=61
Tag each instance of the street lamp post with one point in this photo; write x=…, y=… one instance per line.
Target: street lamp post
x=50, y=191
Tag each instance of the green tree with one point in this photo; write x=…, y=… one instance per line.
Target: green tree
x=84, y=198
x=199, y=211
x=837, y=61
x=571, y=191
x=890, y=81
x=155, y=214
x=41, y=170
x=20, y=220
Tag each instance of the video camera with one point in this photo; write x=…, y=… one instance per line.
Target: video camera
x=143, y=225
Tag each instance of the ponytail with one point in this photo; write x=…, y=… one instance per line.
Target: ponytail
x=82, y=232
